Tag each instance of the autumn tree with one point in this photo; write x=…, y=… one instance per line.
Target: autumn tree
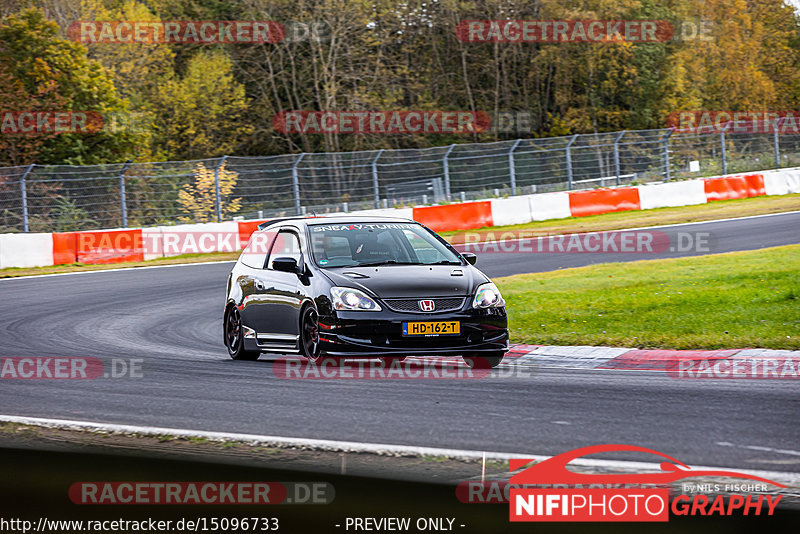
x=198, y=199
x=36, y=56
x=203, y=113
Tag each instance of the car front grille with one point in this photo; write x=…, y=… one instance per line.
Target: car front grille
x=412, y=305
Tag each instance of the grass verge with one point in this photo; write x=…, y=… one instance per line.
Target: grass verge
x=733, y=300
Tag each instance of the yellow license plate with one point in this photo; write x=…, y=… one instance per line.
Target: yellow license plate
x=431, y=328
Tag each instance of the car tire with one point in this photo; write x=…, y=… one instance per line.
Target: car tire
x=480, y=361
x=309, y=334
x=234, y=336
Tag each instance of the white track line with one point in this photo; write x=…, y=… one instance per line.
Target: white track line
x=787, y=478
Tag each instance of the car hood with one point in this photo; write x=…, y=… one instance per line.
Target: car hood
x=409, y=280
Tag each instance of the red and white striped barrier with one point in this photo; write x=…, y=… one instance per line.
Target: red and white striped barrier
x=122, y=245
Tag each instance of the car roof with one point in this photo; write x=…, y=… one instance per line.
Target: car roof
x=337, y=219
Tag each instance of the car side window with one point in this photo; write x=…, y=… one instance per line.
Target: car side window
x=255, y=253
x=286, y=245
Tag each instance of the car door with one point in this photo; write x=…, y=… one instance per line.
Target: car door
x=251, y=277
x=277, y=312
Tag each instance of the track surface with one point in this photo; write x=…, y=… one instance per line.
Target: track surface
x=171, y=318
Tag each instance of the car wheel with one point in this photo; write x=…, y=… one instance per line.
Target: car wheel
x=309, y=334
x=478, y=361
x=234, y=336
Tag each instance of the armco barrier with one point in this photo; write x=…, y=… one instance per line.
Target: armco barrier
x=671, y=194
x=733, y=187
x=65, y=248
x=112, y=246
x=792, y=181
x=549, y=206
x=449, y=217
x=594, y=202
x=25, y=250
x=781, y=182
x=512, y=210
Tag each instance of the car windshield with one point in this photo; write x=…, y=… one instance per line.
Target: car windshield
x=365, y=244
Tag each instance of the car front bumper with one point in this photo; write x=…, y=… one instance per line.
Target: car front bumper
x=371, y=334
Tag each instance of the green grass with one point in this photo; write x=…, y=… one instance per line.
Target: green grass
x=734, y=300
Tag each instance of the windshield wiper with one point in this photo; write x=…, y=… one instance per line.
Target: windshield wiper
x=387, y=262
x=445, y=262
x=376, y=263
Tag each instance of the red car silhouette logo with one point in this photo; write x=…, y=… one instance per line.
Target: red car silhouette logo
x=554, y=470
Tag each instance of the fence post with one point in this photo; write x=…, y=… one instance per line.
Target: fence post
x=217, y=195
x=666, y=155
x=616, y=154
x=296, y=183
x=569, y=160
x=122, y=202
x=722, y=148
x=24, y=192
x=775, y=143
x=512, y=170
x=375, y=187
x=446, y=166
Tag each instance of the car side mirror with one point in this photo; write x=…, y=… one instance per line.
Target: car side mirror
x=287, y=265
x=470, y=257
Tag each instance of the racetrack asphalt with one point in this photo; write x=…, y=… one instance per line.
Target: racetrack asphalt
x=170, y=318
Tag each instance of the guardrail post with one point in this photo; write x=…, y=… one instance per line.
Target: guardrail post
x=666, y=155
x=512, y=171
x=375, y=188
x=122, y=203
x=24, y=192
x=568, y=152
x=446, y=166
x=616, y=154
x=217, y=195
x=775, y=142
x=722, y=148
x=296, y=184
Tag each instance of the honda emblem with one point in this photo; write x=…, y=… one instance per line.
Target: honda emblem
x=427, y=305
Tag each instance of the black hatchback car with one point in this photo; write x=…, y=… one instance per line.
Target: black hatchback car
x=359, y=287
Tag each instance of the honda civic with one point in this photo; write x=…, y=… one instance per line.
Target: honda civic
x=361, y=287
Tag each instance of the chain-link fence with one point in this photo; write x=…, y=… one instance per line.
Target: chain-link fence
x=44, y=198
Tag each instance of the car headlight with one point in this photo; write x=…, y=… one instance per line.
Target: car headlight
x=347, y=298
x=488, y=296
